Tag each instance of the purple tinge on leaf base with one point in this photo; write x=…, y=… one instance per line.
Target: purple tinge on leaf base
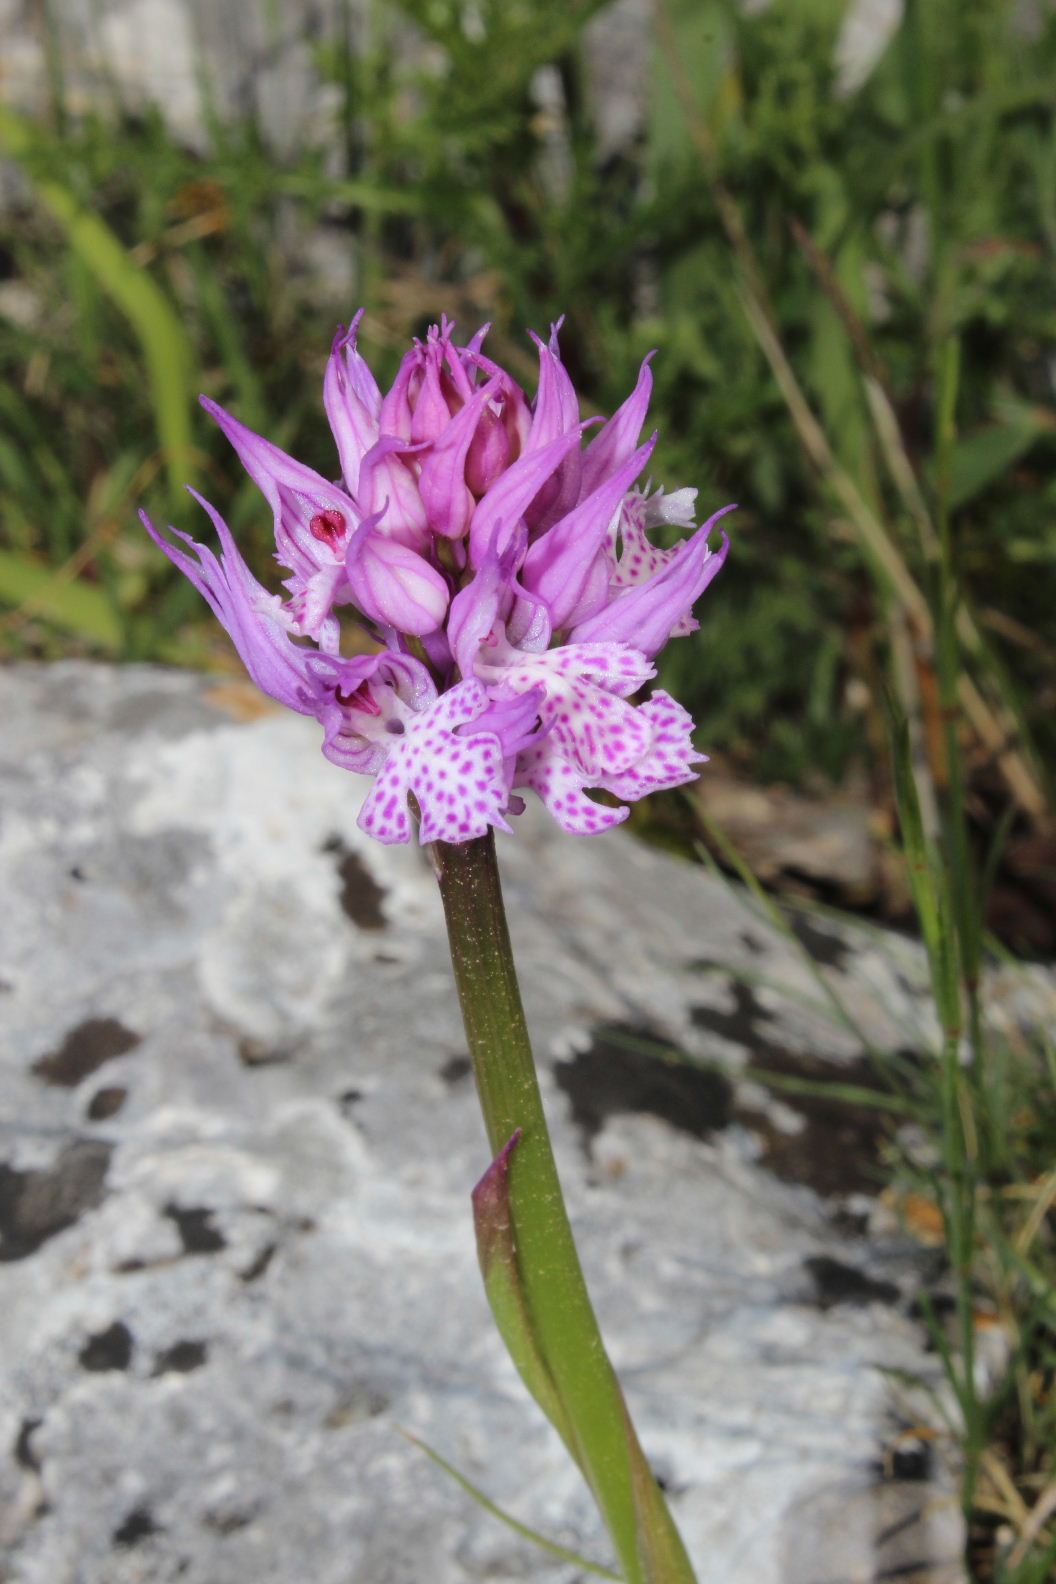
x=491, y=1209
x=499, y=567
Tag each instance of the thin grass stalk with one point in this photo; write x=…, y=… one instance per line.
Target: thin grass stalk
x=962, y=934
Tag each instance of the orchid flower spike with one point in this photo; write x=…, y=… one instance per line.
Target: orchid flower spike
x=498, y=565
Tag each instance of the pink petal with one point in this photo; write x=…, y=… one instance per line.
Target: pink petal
x=394, y=585
x=670, y=757
x=619, y=436
x=457, y=781
x=352, y=401
x=560, y=787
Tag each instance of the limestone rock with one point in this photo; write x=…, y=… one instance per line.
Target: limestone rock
x=236, y=1147
x=198, y=62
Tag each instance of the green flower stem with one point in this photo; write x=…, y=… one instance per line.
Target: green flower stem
x=564, y=1329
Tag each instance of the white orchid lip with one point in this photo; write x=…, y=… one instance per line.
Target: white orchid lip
x=501, y=568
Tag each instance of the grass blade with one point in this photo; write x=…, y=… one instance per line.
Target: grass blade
x=79, y=607
x=165, y=345
x=507, y=1518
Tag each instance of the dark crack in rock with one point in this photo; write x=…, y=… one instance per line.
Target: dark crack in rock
x=197, y=1232
x=84, y=1050
x=631, y=1069
x=36, y=1204
x=910, y=1459
x=259, y=1264
x=108, y=1350
x=749, y=1026
x=838, y=1150
x=23, y=1452
x=181, y=1358
x=255, y=1053
x=837, y=1283
x=138, y=1525
x=361, y=896
x=455, y=1069
x=827, y=947
x=347, y=1102
x=361, y=1403
x=105, y=1103
x=229, y=1521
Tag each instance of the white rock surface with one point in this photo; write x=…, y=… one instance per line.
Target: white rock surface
x=194, y=59
x=236, y=1147
x=198, y=61
x=867, y=29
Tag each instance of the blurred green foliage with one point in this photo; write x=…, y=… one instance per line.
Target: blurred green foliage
x=883, y=221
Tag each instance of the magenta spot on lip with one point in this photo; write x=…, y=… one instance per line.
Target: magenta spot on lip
x=359, y=699
x=328, y=526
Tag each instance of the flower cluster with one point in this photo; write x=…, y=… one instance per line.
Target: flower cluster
x=499, y=566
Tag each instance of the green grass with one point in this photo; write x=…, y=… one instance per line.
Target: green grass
x=852, y=307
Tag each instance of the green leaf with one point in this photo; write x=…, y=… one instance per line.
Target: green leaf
x=497, y=1253
x=166, y=347
x=983, y=457
x=75, y=605
x=660, y=1547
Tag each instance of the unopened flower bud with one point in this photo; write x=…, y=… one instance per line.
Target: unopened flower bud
x=489, y=453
